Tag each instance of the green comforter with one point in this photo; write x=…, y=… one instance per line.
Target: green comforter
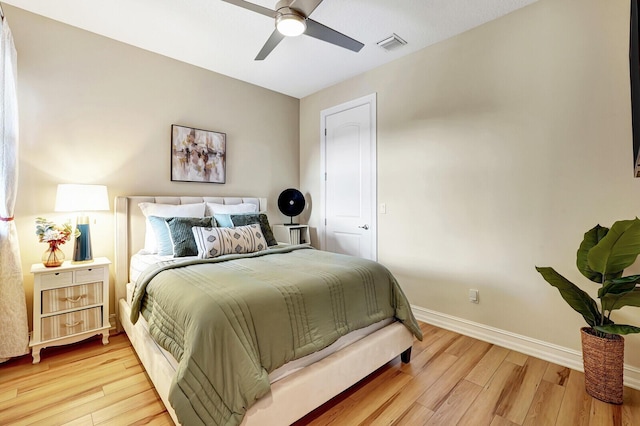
x=230, y=321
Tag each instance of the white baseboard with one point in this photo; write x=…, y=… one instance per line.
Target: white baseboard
x=526, y=345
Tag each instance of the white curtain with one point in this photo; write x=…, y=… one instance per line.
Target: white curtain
x=14, y=328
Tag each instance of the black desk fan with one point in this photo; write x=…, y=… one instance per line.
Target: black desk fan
x=291, y=203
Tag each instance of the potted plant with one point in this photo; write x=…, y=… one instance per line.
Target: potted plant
x=602, y=258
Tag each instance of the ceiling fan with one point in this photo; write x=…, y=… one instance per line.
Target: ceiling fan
x=292, y=19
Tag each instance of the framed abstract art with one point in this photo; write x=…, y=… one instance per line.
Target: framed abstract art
x=198, y=155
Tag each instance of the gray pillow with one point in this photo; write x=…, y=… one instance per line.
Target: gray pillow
x=184, y=244
x=250, y=219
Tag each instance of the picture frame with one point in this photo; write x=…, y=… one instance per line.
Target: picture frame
x=198, y=155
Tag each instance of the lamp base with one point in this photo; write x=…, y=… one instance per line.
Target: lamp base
x=82, y=247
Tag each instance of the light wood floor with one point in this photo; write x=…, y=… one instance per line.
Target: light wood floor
x=451, y=380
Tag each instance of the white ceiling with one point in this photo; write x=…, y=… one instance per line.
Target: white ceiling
x=225, y=38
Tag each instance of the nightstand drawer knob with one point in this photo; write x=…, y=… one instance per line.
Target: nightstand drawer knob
x=70, y=325
x=74, y=300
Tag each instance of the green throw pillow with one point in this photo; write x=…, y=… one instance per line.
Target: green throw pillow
x=250, y=219
x=184, y=244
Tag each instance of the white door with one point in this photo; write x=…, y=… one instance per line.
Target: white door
x=349, y=173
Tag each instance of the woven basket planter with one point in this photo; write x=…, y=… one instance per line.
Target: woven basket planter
x=603, y=359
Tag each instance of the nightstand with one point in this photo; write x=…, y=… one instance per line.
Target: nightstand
x=70, y=303
x=291, y=234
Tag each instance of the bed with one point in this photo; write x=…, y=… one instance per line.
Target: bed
x=296, y=388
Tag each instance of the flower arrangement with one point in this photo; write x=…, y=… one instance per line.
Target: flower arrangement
x=54, y=235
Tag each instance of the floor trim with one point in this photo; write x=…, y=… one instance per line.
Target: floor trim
x=517, y=342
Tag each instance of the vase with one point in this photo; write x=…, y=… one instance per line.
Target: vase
x=53, y=256
x=603, y=359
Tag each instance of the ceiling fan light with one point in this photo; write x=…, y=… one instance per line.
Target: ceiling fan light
x=290, y=23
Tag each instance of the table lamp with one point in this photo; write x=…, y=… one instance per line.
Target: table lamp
x=82, y=199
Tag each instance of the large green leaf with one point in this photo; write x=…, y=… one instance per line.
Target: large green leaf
x=578, y=299
x=591, y=238
x=619, y=285
x=618, y=329
x=618, y=249
x=611, y=302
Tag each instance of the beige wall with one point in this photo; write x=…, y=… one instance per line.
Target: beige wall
x=93, y=110
x=497, y=150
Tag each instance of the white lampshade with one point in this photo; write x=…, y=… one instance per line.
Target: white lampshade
x=81, y=198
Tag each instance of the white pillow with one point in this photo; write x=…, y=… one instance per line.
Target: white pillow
x=166, y=210
x=214, y=242
x=215, y=208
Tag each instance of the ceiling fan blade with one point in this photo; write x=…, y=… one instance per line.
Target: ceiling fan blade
x=253, y=7
x=271, y=43
x=324, y=33
x=305, y=6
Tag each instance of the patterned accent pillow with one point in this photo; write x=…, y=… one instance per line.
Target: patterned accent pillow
x=214, y=242
x=181, y=235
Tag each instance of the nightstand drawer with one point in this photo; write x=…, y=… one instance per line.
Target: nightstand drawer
x=72, y=323
x=56, y=279
x=65, y=298
x=89, y=275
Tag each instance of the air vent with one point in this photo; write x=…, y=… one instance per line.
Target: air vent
x=392, y=42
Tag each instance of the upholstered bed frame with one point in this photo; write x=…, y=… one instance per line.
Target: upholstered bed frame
x=291, y=397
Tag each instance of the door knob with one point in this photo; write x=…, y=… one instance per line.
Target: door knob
x=365, y=226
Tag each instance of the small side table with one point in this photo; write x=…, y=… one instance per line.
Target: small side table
x=70, y=303
x=291, y=234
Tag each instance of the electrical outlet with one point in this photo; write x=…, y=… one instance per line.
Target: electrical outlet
x=474, y=296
